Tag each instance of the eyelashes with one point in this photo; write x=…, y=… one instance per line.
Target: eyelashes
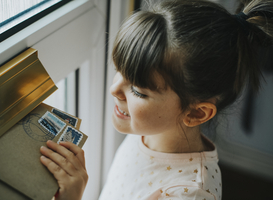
x=136, y=93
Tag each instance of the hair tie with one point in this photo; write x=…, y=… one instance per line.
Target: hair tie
x=241, y=18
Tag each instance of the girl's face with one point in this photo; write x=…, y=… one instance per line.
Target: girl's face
x=142, y=111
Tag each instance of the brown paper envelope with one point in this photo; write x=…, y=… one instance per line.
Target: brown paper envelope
x=9, y=193
x=20, y=158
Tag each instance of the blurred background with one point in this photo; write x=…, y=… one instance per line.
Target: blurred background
x=74, y=41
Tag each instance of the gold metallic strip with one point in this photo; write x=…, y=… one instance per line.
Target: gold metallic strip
x=24, y=84
x=131, y=7
x=5, y=112
x=7, y=69
x=26, y=105
x=20, y=68
x=21, y=85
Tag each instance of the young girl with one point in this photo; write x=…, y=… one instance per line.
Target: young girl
x=177, y=65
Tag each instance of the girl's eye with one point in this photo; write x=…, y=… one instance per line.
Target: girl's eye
x=133, y=90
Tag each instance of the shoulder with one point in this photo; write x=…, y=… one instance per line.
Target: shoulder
x=197, y=180
x=212, y=179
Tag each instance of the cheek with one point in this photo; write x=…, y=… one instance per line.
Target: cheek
x=151, y=119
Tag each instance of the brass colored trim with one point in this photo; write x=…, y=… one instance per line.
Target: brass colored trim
x=131, y=7
x=8, y=67
x=24, y=84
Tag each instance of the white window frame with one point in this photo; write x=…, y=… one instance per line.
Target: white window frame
x=46, y=35
x=119, y=11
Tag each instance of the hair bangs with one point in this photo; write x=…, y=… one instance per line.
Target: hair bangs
x=140, y=47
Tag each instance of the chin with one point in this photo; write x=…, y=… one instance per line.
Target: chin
x=119, y=127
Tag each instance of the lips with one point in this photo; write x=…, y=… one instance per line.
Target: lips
x=123, y=112
x=120, y=113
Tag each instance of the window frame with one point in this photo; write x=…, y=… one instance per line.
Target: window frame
x=42, y=31
x=18, y=27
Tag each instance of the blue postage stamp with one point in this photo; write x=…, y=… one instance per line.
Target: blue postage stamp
x=70, y=135
x=71, y=120
x=51, y=123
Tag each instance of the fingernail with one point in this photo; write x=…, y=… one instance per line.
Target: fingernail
x=42, y=147
x=42, y=157
x=50, y=141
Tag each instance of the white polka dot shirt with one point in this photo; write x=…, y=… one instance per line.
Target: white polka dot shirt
x=139, y=173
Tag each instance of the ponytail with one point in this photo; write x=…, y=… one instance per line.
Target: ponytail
x=255, y=32
x=260, y=13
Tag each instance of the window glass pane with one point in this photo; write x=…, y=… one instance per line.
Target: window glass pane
x=13, y=12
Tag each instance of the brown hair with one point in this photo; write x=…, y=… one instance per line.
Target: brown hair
x=198, y=47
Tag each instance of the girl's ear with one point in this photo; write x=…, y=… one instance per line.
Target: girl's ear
x=201, y=113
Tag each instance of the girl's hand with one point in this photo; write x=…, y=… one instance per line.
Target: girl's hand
x=66, y=162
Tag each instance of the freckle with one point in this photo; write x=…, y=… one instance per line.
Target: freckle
x=159, y=117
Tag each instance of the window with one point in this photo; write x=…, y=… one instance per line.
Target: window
x=16, y=15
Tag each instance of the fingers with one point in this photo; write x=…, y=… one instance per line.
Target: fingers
x=66, y=162
x=57, y=162
x=68, y=153
x=79, y=153
x=58, y=172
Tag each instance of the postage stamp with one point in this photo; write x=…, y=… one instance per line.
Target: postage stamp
x=71, y=120
x=70, y=135
x=51, y=123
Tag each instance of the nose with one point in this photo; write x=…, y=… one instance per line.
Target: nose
x=117, y=87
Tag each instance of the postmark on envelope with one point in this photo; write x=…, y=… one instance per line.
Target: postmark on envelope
x=71, y=120
x=71, y=135
x=51, y=123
